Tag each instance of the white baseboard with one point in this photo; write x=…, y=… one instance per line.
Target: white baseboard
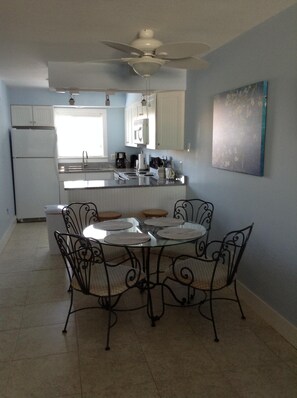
x=273, y=318
x=5, y=238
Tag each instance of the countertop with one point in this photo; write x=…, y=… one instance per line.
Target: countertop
x=142, y=181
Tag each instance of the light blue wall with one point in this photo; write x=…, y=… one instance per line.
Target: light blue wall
x=6, y=185
x=268, y=52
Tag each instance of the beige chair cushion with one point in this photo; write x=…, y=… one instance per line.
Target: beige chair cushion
x=117, y=279
x=112, y=253
x=198, y=274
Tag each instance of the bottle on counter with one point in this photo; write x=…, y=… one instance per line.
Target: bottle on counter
x=161, y=172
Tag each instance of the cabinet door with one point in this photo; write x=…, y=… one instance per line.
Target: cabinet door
x=21, y=115
x=32, y=116
x=170, y=120
x=43, y=116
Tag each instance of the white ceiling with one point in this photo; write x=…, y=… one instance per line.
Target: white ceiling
x=35, y=32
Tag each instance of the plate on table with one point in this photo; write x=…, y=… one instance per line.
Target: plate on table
x=163, y=222
x=127, y=238
x=177, y=233
x=113, y=225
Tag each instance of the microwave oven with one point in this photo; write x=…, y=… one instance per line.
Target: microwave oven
x=140, y=131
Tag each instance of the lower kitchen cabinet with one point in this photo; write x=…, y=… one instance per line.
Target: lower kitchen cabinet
x=102, y=175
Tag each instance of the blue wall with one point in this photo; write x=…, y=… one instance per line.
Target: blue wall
x=268, y=52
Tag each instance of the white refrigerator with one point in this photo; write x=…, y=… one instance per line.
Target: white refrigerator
x=35, y=170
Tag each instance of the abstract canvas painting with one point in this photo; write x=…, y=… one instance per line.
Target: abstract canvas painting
x=239, y=126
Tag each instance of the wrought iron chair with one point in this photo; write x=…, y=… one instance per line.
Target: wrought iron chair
x=77, y=216
x=197, y=211
x=210, y=272
x=90, y=274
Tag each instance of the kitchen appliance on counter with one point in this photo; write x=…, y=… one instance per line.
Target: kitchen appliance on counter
x=133, y=159
x=35, y=171
x=141, y=162
x=140, y=131
x=120, y=161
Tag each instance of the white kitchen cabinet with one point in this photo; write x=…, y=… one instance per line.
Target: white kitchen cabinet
x=166, y=114
x=32, y=116
x=167, y=132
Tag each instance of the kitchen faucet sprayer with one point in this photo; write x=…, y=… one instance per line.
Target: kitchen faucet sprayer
x=85, y=158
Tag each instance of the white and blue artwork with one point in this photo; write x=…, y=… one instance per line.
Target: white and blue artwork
x=239, y=126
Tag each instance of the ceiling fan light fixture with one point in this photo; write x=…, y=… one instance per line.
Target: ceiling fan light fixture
x=146, y=65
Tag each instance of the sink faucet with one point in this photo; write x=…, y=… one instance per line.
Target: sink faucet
x=85, y=158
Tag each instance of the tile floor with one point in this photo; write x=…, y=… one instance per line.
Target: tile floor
x=176, y=359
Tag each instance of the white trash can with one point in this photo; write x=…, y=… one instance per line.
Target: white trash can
x=55, y=222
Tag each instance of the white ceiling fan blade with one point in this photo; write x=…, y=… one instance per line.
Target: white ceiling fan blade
x=123, y=47
x=109, y=60
x=180, y=50
x=188, y=63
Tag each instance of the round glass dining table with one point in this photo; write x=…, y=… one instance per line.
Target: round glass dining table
x=145, y=234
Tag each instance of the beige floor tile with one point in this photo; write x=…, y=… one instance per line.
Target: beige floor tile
x=239, y=350
x=47, y=377
x=45, y=314
x=213, y=385
x=47, y=293
x=107, y=372
x=10, y=297
x=15, y=279
x=11, y=317
x=4, y=377
x=45, y=340
x=49, y=276
x=8, y=341
x=270, y=381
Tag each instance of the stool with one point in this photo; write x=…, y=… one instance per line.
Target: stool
x=155, y=213
x=109, y=215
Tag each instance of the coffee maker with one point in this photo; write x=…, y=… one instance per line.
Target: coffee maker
x=120, y=160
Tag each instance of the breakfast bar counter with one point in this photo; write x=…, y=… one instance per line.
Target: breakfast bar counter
x=127, y=196
x=141, y=181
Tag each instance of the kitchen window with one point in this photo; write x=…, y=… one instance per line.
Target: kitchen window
x=81, y=129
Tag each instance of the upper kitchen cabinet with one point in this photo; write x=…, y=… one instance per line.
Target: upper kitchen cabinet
x=166, y=113
x=32, y=116
x=168, y=130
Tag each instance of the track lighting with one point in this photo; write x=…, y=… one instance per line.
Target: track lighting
x=107, y=100
x=143, y=101
x=72, y=93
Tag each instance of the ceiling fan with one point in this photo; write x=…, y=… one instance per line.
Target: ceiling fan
x=148, y=54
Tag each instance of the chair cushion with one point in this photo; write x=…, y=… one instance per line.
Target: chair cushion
x=198, y=274
x=118, y=279
x=111, y=253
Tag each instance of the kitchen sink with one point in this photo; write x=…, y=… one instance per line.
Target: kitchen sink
x=84, y=168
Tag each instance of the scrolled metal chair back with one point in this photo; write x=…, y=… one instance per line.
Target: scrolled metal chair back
x=232, y=249
x=194, y=210
x=77, y=216
x=78, y=256
x=197, y=211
